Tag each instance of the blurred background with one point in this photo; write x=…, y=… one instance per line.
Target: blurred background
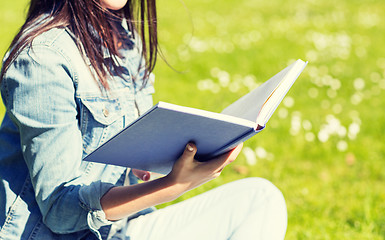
x=324, y=146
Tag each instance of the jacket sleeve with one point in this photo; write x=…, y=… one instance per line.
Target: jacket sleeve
x=39, y=95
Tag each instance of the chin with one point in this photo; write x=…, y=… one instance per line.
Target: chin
x=114, y=4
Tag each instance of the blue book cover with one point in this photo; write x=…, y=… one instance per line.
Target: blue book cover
x=155, y=140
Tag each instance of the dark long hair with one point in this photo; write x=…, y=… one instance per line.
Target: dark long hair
x=78, y=16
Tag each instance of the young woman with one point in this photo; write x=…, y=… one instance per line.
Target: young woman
x=76, y=74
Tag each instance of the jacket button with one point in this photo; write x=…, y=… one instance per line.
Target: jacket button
x=106, y=112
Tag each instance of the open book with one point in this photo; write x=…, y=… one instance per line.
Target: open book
x=157, y=138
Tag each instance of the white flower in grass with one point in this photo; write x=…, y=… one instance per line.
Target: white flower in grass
x=381, y=63
x=288, y=102
x=375, y=77
x=312, y=71
x=359, y=84
x=361, y=52
x=295, y=123
x=309, y=136
x=224, y=78
x=341, y=131
x=368, y=19
x=234, y=86
x=215, y=89
x=215, y=71
x=312, y=55
x=381, y=84
x=208, y=84
x=334, y=123
x=198, y=45
x=249, y=155
x=355, y=115
x=353, y=130
x=323, y=136
x=313, y=92
x=306, y=124
x=335, y=84
x=205, y=84
x=342, y=146
x=283, y=113
x=261, y=152
x=331, y=93
x=250, y=81
x=356, y=98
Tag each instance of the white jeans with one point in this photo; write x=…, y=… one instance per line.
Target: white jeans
x=251, y=208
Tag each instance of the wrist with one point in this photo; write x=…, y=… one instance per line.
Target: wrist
x=178, y=188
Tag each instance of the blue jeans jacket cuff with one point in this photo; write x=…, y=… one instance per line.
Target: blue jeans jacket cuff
x=90, y=196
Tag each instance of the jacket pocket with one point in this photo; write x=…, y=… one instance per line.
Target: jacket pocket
x=100, y=119
x=103, y=110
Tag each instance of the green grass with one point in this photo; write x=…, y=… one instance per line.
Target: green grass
x=324, y=146
x=11, y=18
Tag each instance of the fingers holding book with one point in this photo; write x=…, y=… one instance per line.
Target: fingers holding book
x=190, y=173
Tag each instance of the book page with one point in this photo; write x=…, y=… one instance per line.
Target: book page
x=279, y=93
x=249, y=106
x=207, y=114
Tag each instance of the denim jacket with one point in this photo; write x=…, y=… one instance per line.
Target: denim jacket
x=57, y=114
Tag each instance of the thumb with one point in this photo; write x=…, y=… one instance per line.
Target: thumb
x=189, y=151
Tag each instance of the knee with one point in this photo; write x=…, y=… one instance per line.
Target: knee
x=264, y=190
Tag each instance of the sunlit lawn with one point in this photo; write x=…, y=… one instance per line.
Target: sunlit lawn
x=324, y=146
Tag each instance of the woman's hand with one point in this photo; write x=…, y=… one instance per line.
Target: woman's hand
x=142, y=175
x=190, y=173
x=187, y=173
